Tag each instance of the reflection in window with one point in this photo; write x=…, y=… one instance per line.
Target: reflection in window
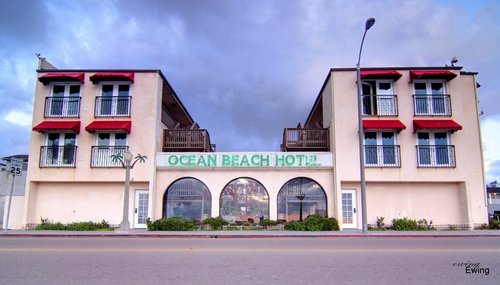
x=314, y=201
x=243, y=199
x=187, y=198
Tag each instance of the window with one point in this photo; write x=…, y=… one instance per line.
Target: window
x=430, y=98
x=59, y=151
x=434, y=150
x=108, y=144
x=64, y=101
x=301, y=192
x=381, y=149
x=188, y=198
x=379, y=98
x=243, y=199
x=114, y=101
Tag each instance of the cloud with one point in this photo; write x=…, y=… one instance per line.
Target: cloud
x=19, y=118
x=244, y=69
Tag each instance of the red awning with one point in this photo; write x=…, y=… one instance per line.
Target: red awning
x=62, y=76
x=383, y=125
x=58, y=126
x=112, y=76
x=109, y=126
x=380, y=74
x=436, y=125
x=432, y=74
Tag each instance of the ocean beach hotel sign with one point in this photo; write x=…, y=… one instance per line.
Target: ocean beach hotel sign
x=245, y=160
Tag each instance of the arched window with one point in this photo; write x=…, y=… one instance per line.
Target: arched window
x=243, y=199
x=188, y=198
x=301, y=191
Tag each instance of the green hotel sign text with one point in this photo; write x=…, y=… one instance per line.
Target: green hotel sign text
x=242, y=160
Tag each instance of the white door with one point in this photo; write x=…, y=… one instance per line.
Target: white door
x=349, y=211
x=141, y=208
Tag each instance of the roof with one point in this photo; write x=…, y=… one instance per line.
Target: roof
x=23, y=157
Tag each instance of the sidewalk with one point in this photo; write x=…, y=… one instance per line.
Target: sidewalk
x=135, y=233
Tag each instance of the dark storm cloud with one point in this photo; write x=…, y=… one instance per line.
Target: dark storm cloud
x=22, y=23
x=244, y=69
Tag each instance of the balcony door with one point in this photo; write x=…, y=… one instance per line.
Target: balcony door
x=64, y=101
x=430, y=98
x=60, y=149
x=433, y=149
x=378, y=98
x=380, y=149
x=107, y=145
x=114, y=100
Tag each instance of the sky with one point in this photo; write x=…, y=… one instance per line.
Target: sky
x=244, y=69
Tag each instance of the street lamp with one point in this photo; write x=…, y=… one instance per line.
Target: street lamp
x=361, y=136
x=126, y=162
x=301, y=197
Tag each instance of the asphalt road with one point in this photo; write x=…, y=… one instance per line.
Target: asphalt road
x=203, y=261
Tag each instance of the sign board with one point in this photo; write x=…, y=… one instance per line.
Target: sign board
x=16, y=167
x=246, y=160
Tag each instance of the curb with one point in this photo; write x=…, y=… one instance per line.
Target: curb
x=242, y=236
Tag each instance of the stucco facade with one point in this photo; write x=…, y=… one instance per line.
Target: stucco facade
x=71, y=176
x=447, y=193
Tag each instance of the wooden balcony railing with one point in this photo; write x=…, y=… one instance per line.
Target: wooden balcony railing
x=185, y=140
x=295, y=139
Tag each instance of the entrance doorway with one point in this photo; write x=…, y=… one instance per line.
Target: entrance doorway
x=349, y=211
x=141, y=208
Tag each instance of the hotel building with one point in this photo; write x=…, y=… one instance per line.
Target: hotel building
x=422, y=152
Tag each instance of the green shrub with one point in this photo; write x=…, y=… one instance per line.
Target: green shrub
x=215, y=223
x=494, y=224
x=50, y=227
x=404, y=224
x=331, y=224
x=78, y=226
x=313, y=223
x=381, y=224
x=425, y=225
x=171, y=224
x=268, y=222
x=295, y=226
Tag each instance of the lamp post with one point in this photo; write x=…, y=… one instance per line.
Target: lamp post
x=126, y=162
x=361, y=136
x=301, y=197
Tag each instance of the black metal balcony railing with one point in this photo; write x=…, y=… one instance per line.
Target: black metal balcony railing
x=112, y=106
x=57, y=156
x=62, y=107
x=101, y=156
x=436, y=155
x=380, y=105
x=432, y=105
x=382, y=156
x=302, y=139
x=187, y=140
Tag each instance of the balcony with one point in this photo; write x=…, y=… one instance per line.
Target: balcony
x=299, y=139
x=112, y=106
x=382, y=156
x=186, y=140
x=57, y=156
x=101, y=156
x=62, y=107
x=435, y=155
x=380, y=105
x=432, y=105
